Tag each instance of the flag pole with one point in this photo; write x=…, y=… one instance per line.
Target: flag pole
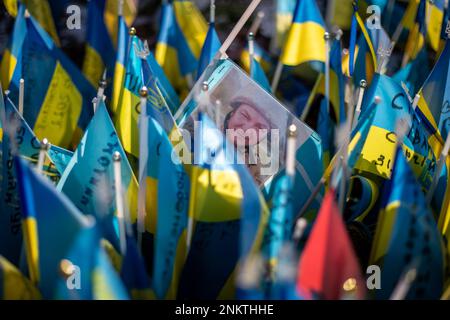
x=120, y=8
x=119, y=201
x=101, y=91
x=404, y=284
x=21, y=95
x=291, y=148
x=257, y=22
x=212, y=12
x=251, y=49
x=361, y=91
x=45, y=146
x=143, y=156
x=327, y=38
x=237, y=28
x=277, y=76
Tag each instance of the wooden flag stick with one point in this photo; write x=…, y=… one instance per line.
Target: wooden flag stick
x=21, y=95
x=222, y=54
x=257, y=22
x=45, y=146
x=101, y=91
x=119, y=202
x=143, y=157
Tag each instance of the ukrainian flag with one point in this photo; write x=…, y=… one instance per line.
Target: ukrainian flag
x=13, y=53
x=337, y=84
x=123, y=44
x=57, y=96
x=100, y=53
x=43, y=208
x=25, y=143
x=434, y=94
x=112, y=19
x=407, y=236
x=210, y=48
x=141, y=72
x=377, y=155
x=14, y=285
x=283, y=19
x=41, y=10
x=182, y=34
x=305, y=40
x=229, y=217
x=89, y=174
x=416, y=38
x=168, y=204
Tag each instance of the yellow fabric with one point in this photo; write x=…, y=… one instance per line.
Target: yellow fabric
x=342, y=14
x=11, y=7
x=127, y=117
x=245, y=61
x=7, y=68
x=409, y=17
x=284, y=22
x=434, y=26
x=58, y=117
x=192, y=24
x=93, y=66
x=383, y=232
x=216, y=190
x=423, y=106
x=111, y=16
x=118, y=82
x=304, y=43
x=115, y=258
x=31, y=240
x=16, y=286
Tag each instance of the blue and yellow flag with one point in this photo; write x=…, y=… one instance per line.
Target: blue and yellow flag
x=228, y=215
x=41, y=10
x=182, y=34
x=167, y=206
x=416, y=37
x=305, y=40
x=14, y=285
x=57, y=103
x=85, y=271
x=43, y=208
x=407, y=237
x=377, y=156
x=283, y=19
x=140, y=70
x=210, y=48
x=100, y=54
x=19, y=139
x=88, y=178
x=434, y=95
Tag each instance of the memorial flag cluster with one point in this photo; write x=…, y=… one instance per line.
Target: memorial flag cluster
x=306, y=162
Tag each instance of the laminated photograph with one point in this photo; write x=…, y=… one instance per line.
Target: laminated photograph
x=248, y=116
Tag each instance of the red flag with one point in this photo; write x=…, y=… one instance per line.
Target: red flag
x=328, y=266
